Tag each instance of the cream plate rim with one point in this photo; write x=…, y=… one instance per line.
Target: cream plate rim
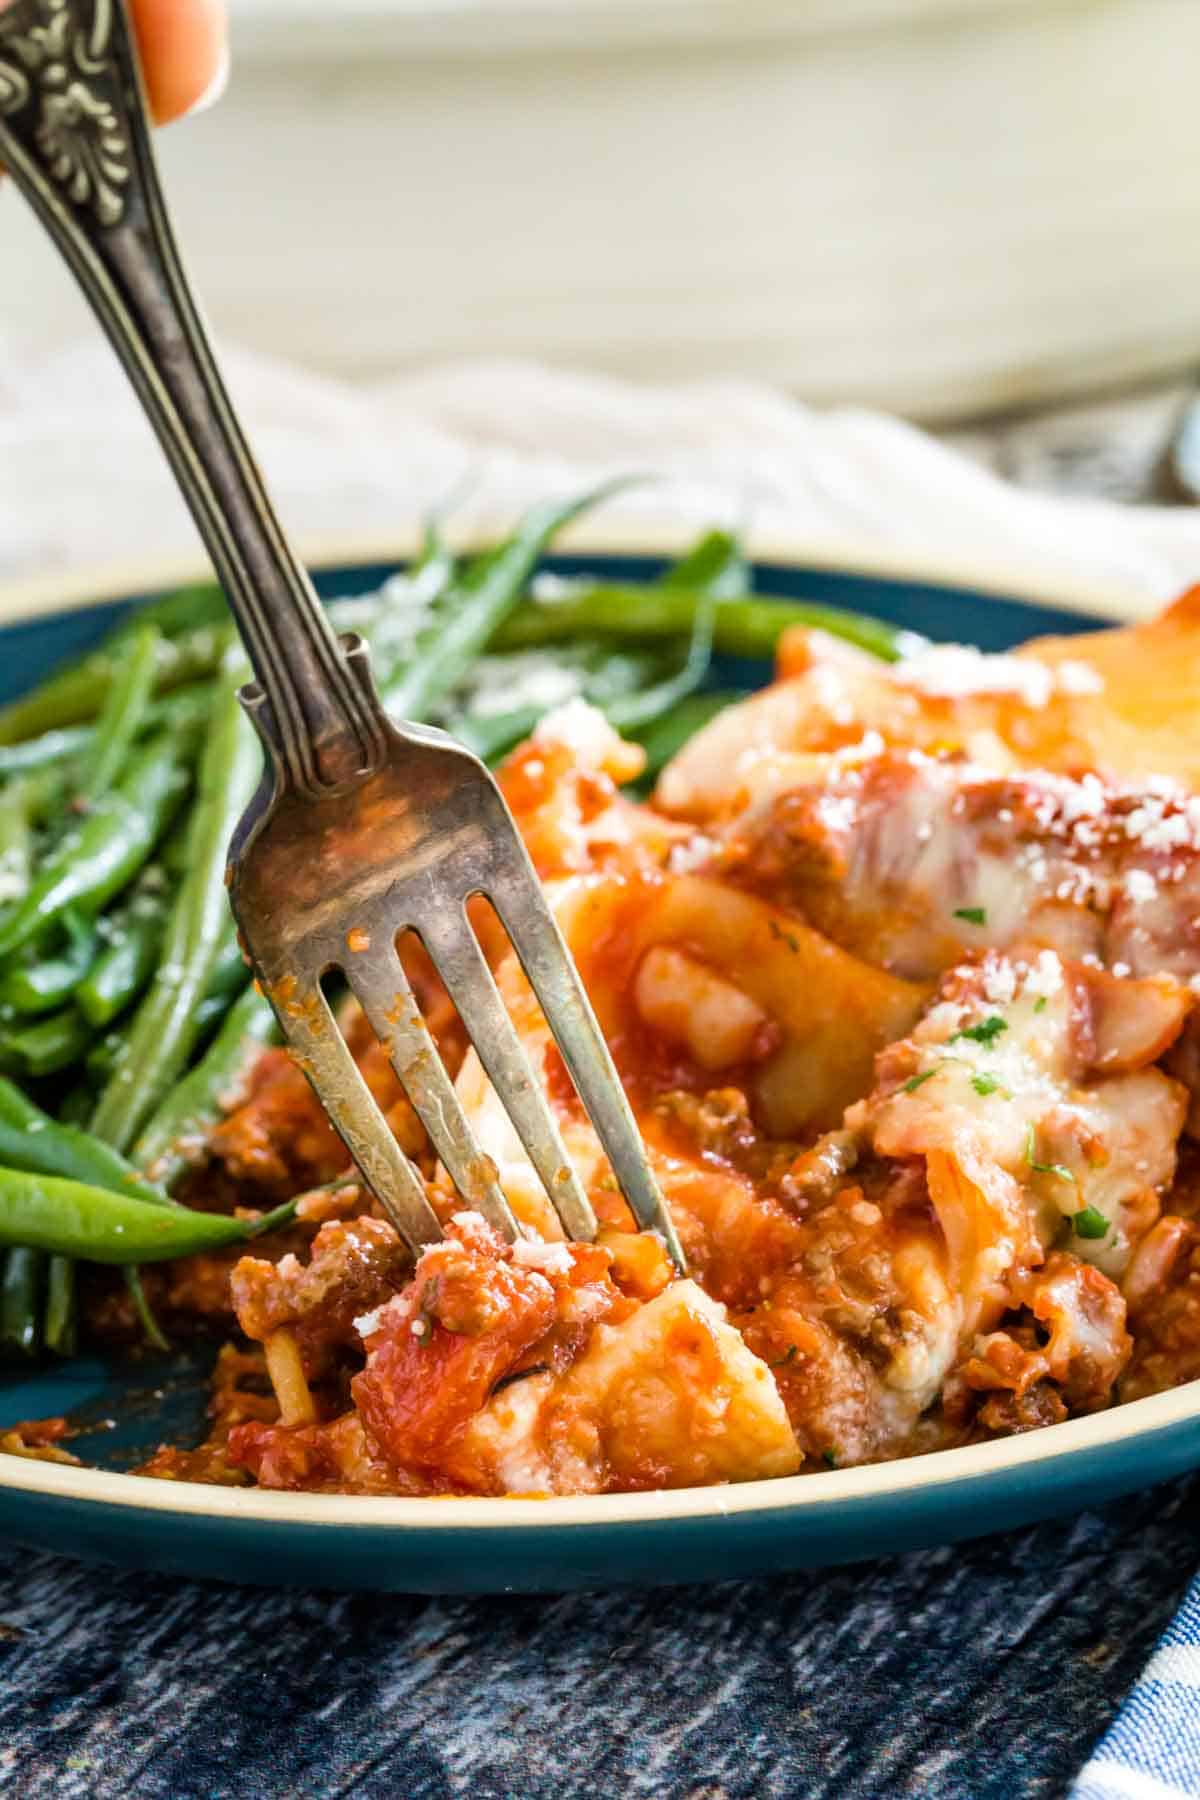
x=938, y=1471
x=71, y=590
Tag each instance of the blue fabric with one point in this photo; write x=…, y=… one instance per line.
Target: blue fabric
x=1152, y=1749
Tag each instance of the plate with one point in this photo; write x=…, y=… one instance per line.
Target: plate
x=477, y=1546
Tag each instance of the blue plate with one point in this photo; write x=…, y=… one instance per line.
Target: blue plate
x=455, y=1546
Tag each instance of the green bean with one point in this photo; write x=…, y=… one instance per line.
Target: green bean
x=184, y=709
x=60, y=1318
x=151, y=1330
x=69, y=1218
x=20, y=1296
x=491, y=735
x=32, y=1141
x=229, y=975
x=183, y=609
x=230, y=971
x=663, y=737
x=749, y=628
x=54, y=1042
x=108, y=847
x=174, y=849
x=76, y=693
x=103, y=1058
x=45, y=982
x=174, y=1138
x=715, y=565
x=164, y=1030
x=476, y=605
x=77, y=1105
x=123, y=968
x=631, y=710
x=39, y=752
x=121, y=716
x=16, y=841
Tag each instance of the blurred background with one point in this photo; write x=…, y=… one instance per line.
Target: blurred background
x=499, y=247
x=950, y=208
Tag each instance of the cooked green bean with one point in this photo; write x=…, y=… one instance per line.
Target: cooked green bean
x=152, y=1332
x=491, y=735
x=76, y=693
x=16, y=841
x=69, y=1218
x=164, y=1030
x=183, y=609
x=230, y=972
x=49, y=1044
x=749, y=627
x=129, y=958
x=476, y=605
x=184, y=709
x=102, y=1059
x=32, y=1141
x=715, y=565
x=20, y=1301
x=125, y=706
x=47, y=981
x=109, y=846
x=173, y=1139
x=77, y=1105
x=631, y=710
x=39, y=752
x=60, y=1316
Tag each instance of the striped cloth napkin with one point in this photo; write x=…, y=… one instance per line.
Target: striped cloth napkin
x=1152, y=1751
x=82, y=483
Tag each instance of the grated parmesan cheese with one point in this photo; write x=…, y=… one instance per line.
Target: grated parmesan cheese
x=999, y=983
x=547, y=1259
x=1159, y=824
x=955, y=671
x=1045, y=976
x=1139, y=886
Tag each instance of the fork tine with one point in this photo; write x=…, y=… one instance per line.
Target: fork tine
x=518, y=898
x=382, y=987
x=460, y=962
x=323, y=1054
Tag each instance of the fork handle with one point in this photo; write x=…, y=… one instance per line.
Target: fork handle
x=75, y=135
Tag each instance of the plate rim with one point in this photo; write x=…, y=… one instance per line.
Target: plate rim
x=927, y=1475
x=30, y=597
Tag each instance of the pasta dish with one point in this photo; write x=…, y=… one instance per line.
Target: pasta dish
x=899, y=962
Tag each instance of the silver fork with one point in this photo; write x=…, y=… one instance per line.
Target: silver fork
x=362, y=828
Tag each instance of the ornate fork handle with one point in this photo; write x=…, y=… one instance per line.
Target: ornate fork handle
x=75, y=136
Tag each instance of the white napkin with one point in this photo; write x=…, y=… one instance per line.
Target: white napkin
x=82, y=482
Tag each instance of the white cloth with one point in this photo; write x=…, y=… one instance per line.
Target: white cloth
x=82, y=482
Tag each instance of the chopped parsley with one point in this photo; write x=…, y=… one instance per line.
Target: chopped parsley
x=829, y=1458
x=1090, y=1223
x=987, y=1084
x=1041, y=1168
x=915, y=1081
x=974, y=915
x=789, y=1355
x=986, y=1032
x=785, y=937
x=1040, y=1003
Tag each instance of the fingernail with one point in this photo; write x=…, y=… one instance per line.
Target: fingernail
x=216, y=86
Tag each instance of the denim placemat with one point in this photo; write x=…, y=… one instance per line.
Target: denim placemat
x=982, y=1672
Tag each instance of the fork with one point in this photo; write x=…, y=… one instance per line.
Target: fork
x=362, y=828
